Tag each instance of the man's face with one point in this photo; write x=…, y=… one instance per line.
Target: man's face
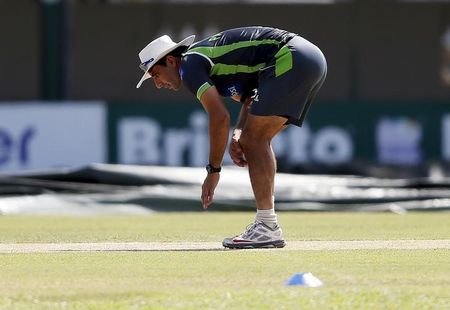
x=167, y=76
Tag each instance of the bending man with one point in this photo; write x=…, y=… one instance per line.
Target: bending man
x=274, y=73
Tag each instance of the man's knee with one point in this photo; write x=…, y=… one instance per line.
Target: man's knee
x=249, y=140
x=244, y=141
x=259, y=130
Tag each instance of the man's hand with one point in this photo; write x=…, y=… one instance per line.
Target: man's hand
x=208, y=187
x=237, y=154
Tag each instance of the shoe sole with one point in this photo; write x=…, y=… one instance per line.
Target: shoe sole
x=257, y=245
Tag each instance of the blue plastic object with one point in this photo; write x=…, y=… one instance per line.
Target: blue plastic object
x=304, y=279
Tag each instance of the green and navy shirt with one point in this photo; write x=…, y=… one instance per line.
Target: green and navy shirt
x=231, y=60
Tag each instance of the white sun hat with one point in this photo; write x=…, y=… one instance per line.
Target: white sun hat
x=156, y=50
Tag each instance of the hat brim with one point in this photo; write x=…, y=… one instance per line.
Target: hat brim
x=185, y=42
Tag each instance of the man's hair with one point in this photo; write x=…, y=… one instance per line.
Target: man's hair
x=176, y=53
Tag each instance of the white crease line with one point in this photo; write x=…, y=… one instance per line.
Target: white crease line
x=216, y=246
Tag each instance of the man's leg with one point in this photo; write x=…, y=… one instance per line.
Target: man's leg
x=256, y=141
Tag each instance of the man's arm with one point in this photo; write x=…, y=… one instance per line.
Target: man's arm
x=236, y=151
x=241, y=120
x=219, y=127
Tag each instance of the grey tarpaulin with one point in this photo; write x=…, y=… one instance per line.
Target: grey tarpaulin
x=143, y=189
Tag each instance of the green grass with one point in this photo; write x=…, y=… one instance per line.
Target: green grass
x=389, y=279
x=214, y=226
x=354, y=279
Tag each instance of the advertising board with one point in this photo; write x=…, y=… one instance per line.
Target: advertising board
x=405, y=134
x=36, y=135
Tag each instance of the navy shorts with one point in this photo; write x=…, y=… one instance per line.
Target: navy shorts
x=290, y=82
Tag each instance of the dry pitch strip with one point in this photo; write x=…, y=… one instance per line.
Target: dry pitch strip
x=216, y=246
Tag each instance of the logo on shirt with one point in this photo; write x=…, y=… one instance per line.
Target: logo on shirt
x=233, y=91
x=215, y=37
x=255, y=97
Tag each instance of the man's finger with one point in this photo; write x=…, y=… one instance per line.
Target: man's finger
x=205, y=202
x=240, y=162
x=207, y=198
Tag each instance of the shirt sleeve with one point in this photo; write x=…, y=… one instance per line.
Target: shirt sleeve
x=194, y=72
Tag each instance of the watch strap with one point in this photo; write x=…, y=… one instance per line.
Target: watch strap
x=211, y=169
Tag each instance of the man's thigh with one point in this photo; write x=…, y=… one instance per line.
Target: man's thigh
x=263, y=127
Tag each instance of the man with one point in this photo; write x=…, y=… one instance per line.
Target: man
x=275, y=74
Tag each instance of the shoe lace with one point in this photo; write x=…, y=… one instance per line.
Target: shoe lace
x=250, y=227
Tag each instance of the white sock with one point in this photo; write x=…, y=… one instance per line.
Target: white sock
x=268, y=217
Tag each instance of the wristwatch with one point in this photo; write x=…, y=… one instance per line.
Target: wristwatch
x=211, y=169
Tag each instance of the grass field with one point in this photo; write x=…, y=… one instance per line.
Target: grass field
x=354, y=279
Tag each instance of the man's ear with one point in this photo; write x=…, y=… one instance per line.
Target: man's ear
x=170, y=60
